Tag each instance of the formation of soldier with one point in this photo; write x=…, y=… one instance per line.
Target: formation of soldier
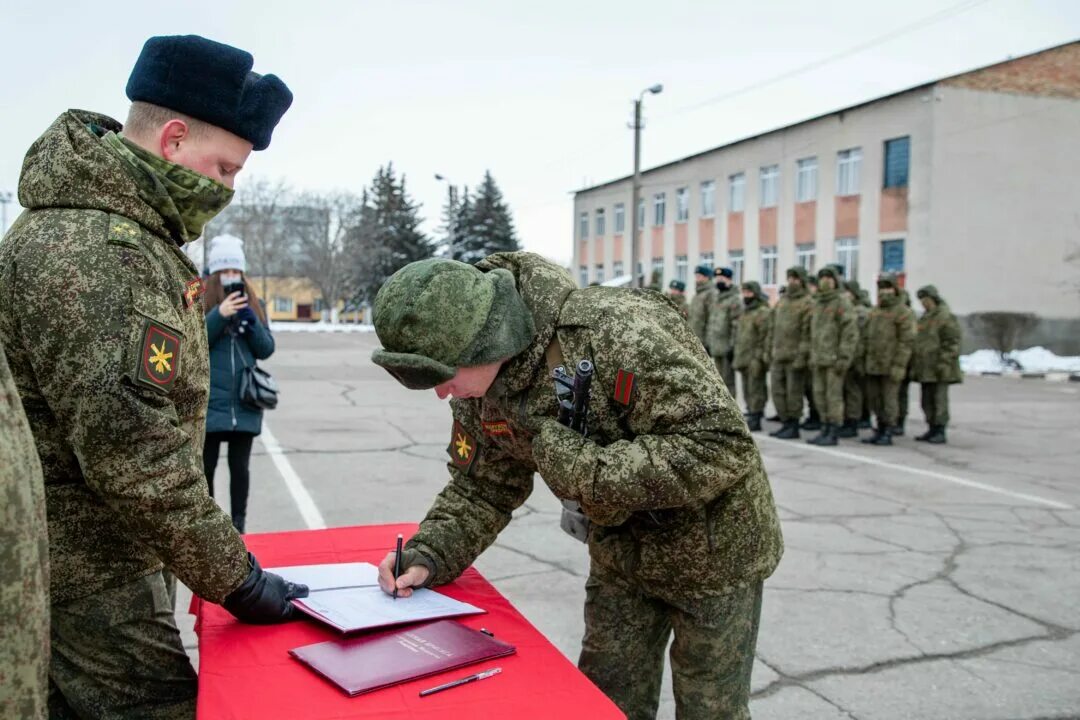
x=826, y=343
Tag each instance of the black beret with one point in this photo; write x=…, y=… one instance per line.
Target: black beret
x=726, y=272
x=211, y=82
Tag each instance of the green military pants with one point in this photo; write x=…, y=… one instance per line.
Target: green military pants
x=854, y=395
x=755, y=389
x=727, y=372
x=788, y=388
x=627, y=630
x=902, y=407
x=829, y=393
x=117, y=655
x=935, y=403
x=883, y=396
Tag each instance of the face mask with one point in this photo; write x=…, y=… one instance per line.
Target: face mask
x=722, y=284
x=748, y=301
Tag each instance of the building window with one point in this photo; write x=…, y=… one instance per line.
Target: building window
x=583, y=275
x=641, y=213
x=770, y=181
x=737, y=192
x=847, y=171
x=616, y=269
x=892, y=256
x=599, y=276
x=708, y=198
x=706, y=259
x=806, y=180
x=285, y=305
x=657, y=271
x=659, y=204
x=806, y=257
x=600, y=223
x=897, y=160
x=735, y=257
x=682, y=204
x=847, y=255
x=681, y=267
x=583, y=226
x=769, y=258
x=620, y=218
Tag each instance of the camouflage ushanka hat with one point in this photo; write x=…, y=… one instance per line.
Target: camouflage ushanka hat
x=434, y=316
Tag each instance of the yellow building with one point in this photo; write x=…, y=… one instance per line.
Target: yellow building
x=296, y=299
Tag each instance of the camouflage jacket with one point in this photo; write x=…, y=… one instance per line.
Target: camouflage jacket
x=862, y=314
x=679, y=300
x=100, y=313
x=889, y=335
x=699, y=310
x=24, y=572
x=725, y=307
x=936, y=356
x=753, y=336
x=669, y=470
x=834, y=331
x=791, y=328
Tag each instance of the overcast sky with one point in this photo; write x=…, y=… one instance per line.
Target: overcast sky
x=539, y=93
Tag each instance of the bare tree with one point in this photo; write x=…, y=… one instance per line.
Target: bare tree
x=1003, y=330
x=322, y=222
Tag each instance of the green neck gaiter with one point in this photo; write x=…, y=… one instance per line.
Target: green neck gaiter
x=824, y=296
x=187, y=200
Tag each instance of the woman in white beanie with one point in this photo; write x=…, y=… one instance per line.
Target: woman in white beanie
x=238, y=334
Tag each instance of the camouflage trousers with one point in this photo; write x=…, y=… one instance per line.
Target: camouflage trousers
x=117, y=654
x=829, y=393
x=727, y=372
x=935, y=403
x=788, y=388
x=902, y=405
x=855, y=394
x=883, y=396
x=755, y=388
x=627, y=630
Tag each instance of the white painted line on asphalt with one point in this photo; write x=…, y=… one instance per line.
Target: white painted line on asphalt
x=925, y=473
x=304, y=502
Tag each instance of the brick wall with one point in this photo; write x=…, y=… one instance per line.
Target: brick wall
x=1053, y=73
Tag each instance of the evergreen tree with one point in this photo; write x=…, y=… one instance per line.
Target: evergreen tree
x=484, y=224
x=387, y=236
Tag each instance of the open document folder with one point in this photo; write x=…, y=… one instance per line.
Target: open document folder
x=347, y=597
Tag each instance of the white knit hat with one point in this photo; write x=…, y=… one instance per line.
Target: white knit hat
x=226, y=253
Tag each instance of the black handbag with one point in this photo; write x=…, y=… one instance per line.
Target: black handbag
x=258, y=389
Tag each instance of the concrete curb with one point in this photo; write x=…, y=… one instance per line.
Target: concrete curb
x=1054, y=376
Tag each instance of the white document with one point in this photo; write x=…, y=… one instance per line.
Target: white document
x=347, y=597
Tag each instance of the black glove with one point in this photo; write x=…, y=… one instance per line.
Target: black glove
x=263, y=599
x=245, y=318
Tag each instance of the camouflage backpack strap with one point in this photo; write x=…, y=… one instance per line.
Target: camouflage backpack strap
x=124, y=231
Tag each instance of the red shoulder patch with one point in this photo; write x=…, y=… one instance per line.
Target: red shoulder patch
x=159, y=361
x=497, y=428
x=624, y=387
x=193, y=292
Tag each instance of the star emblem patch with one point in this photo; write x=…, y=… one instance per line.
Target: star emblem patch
x=159, y=359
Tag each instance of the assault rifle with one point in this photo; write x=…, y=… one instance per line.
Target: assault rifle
x=572, y=392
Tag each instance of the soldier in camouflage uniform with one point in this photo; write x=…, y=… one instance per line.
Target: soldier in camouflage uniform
x=936, y=361
x=855, y=379
x=24, y=571
x=677, y=293
x=834, y=335
x=890, y=332
x=702, y=301
x=791, y=352
x=725, y=307
x=101, y=317
x=683, y=526
x=751, y=353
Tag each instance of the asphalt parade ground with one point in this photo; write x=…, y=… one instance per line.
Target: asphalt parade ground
x=918, y=581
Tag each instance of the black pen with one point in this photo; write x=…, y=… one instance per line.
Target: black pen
x=397, y=564
x=462, y=681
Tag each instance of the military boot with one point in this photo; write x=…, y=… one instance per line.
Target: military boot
x=937, y=436
x=822, y=434
x=873, y=439
x=754, y=422
x=898, y=429
x=828, y=434
x=926, y=435
x=774, y=418
x=790, y=431
x=885, y=438
x=813, y=422
x=849, y=429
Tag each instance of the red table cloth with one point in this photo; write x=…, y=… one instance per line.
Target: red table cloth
x=246, y=672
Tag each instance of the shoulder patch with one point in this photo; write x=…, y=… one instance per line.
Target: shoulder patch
x=497, y=428
x=193, y=292
x=160, y=356
x=123, y=231
x=624, y=387
x=462, y=448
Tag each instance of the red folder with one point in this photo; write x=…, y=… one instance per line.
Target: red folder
x=370, y=662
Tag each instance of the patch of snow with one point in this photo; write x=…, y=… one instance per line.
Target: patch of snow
x=1036, y=359
x=320, y=327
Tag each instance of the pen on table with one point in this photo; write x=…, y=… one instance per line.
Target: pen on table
x=462, y=681
x=397, y=564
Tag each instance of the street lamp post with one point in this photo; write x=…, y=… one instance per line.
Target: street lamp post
x=636, y=199
x=5, y=198
x=451, y=227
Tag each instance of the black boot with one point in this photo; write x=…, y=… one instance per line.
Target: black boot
x=823, y=434
x=898, y=429
x=813, y=422
x=238, y=521
x=937, y=436
x=872, y=440
x=829, y=434
x=885, y=437
x=790, y=431
x=926, y=435
x=848, y=430
x=774, y=418
x=754, y=422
